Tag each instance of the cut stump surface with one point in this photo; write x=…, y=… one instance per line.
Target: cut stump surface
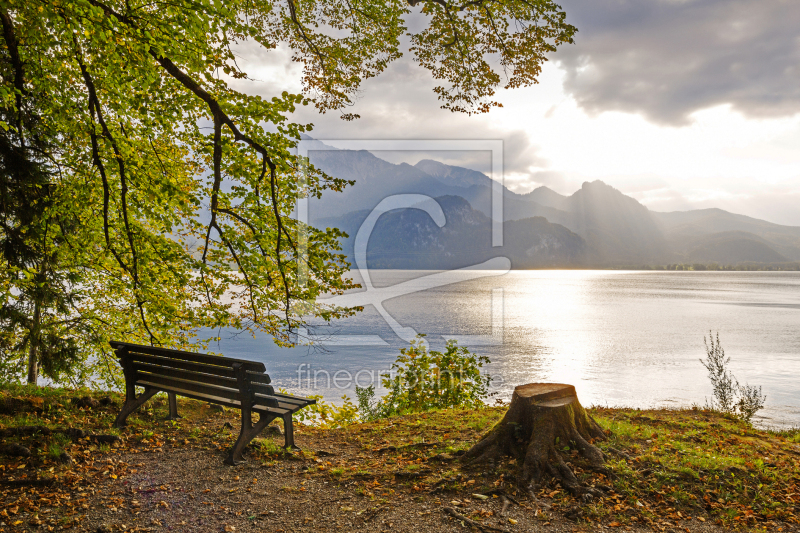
x=544, y=422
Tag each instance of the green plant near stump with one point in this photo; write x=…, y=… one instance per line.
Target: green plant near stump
x=426, y=380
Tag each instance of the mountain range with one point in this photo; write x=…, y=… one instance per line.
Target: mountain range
x=595, y=227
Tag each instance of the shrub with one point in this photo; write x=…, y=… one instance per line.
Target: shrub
x=424, y=380
x=750, y=401
x=428, y=380
x=742, y=401
x=368, y=408
x=722, y=380
x=326, y=415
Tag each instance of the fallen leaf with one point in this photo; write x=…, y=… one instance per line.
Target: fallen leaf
x=512, y=521
x=230, y=528
x=480, y=496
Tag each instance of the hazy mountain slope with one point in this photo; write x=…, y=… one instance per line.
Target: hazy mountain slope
x=538, y=243
x=455, y=176
x=730, y=248
x=618, y=227
x=515, y=206
x=685, y=225
x=408, y=238
x=375, y=180
x=547, y=197
x=476, y=188
x=615, y=229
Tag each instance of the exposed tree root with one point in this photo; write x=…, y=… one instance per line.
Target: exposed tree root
x=542, y=422
x=482, y=527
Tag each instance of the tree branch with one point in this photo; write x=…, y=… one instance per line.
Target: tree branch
x=96, y=110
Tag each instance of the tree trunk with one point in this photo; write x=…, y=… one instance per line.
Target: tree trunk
x=542, y=420
x=33, y=351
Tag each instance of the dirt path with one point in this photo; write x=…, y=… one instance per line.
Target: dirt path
x=191, y=490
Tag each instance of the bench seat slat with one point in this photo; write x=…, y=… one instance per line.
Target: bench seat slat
x=167, y=383
x=266, y=390
x=279, y=408
x=129, y=348
x=300, y=400
x=183, y=365
x=234, y=404
x=191, y=394
x=283, y=409
x=168, y=372
x=259, y=377
x=293, y=407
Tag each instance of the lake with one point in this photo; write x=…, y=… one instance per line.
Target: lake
x=623, y=338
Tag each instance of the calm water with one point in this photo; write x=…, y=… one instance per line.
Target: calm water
x=622, y=338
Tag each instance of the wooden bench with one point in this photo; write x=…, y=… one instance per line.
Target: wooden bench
x=234, y=383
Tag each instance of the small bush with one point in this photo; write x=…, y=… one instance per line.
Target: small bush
x=424, y=381
x=742, y=401
x=368, y=408
x=750, y=401
x=722, y=380
x=428, y=380
x=325, y=414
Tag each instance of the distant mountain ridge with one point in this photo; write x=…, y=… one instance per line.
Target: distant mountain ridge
x=597, y=226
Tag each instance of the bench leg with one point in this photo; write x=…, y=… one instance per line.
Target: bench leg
x=288, y=433
x=173, y=407
x=249, y=432
x=132, y=405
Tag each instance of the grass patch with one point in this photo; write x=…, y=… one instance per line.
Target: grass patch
x=700, y=463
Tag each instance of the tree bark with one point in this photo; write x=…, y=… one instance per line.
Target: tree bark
x=33, y=351
x=544, y=421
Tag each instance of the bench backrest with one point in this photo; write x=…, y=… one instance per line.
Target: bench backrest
x=196, y=375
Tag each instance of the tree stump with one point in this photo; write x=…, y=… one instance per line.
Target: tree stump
x=542, y=420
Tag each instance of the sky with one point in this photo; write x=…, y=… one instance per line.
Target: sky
x=682, y=104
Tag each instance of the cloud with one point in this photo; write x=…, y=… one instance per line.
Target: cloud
x=669, y=58
x=400, y=104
